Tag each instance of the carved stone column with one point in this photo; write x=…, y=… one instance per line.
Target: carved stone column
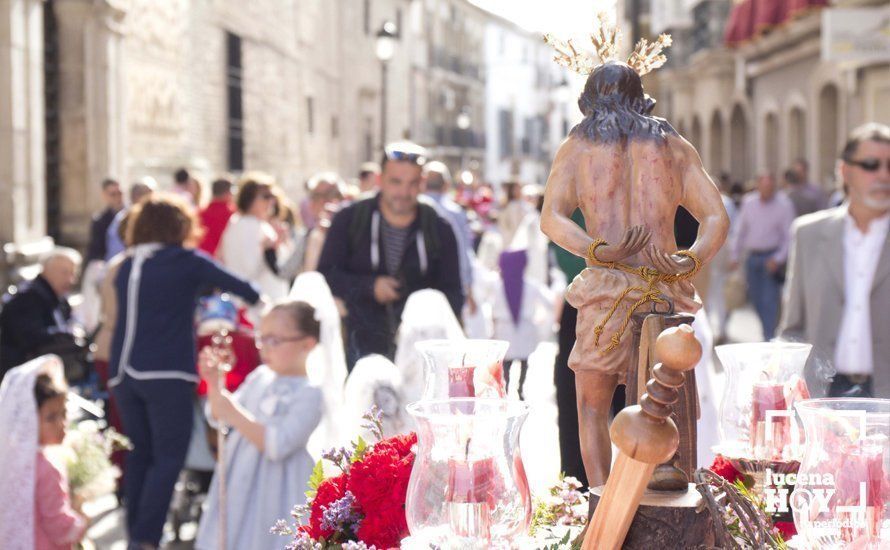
x=92, y=122
x=22, y=152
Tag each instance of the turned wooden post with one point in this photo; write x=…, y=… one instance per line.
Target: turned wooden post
x=645, y=436
x=676, y=473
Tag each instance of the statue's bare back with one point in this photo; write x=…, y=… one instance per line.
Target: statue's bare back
x=623, y=185
x=618, y=186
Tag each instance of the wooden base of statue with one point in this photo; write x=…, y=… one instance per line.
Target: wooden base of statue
x=667, y=520
x=676, y=473
x=645, y=437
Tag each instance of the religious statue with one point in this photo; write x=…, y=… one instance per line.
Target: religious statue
x=628, y=171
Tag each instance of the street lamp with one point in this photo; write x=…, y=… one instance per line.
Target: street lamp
x=463, y=120
x=385, y=48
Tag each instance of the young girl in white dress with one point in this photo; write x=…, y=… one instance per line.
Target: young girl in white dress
x=271, y=415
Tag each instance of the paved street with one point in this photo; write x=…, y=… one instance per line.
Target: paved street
x=539, y=441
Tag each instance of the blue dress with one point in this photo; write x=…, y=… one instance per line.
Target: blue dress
x=263, y=487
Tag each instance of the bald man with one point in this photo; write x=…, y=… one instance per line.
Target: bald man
x=38, y=311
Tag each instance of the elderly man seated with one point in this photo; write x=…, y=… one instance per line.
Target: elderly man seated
x=36, y=317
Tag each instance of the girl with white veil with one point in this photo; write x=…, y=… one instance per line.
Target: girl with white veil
x=326, y=366
x=24, y=474
x=427, y=316
x=375, y=382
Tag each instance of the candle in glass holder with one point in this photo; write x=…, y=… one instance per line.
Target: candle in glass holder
x=470, y=497
x=860, y=476
x=766, y=397
x=470, y=480
x=460, y=382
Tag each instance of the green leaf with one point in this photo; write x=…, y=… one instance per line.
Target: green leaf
x=315, y=479
x=361, y=447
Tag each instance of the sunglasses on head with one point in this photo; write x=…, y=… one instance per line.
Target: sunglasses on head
x=869, y=165
x=405, y=156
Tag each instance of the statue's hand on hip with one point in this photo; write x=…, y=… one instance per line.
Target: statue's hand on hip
x=634, y=239
x=667, y=263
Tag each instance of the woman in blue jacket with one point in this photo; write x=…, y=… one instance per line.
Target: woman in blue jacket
x=153, y=353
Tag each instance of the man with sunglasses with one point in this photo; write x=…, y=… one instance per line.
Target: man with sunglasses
x=381, y=249
x=838, y=292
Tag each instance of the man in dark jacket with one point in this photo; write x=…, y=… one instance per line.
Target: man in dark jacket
x=381, y=249
x=38, y=312
x=94, y=263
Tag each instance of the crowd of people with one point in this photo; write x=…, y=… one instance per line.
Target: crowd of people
x=337, y=289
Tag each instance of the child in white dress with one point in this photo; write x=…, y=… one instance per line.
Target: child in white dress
x=271, y=415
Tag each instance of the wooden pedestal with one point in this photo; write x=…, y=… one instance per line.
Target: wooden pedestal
x=667, y=521
x=674, y=474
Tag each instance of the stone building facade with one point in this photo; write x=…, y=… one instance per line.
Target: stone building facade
x=132, y=88
x=529, y=104
x=91, y=89
x=760, y=105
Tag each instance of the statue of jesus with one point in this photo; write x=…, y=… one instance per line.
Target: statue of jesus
x=627, y=171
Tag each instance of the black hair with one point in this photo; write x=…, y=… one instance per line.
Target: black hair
x=220, y=187
x=248, y=192
x=181, y=176
x=303, y=316
x=46, y=388
x=615, y=107
x=108, y=182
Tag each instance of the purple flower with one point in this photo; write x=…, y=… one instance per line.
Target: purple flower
x=340, y=515
x=339, y=457
x=374, y=422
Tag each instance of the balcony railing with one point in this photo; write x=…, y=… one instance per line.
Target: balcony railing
x=457, y=137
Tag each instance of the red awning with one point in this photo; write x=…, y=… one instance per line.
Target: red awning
x=751, y=18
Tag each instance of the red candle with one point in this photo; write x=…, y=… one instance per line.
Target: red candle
x=766, y=397
x=858, y=465
x=861, y=465
x=460, y=382
x=471, y=481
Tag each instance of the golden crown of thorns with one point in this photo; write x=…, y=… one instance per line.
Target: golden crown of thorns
x=646, y=57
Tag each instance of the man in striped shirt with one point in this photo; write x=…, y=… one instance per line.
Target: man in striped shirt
x=381, y=249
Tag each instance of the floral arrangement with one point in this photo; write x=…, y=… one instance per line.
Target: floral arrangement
x=563, y=508
x=782, y=530
x=363, y=506
x=90, y=471
x=564, y=504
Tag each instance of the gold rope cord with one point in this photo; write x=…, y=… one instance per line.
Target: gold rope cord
x=650, y=293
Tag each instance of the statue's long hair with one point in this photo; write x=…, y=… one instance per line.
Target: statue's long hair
x=615, y=107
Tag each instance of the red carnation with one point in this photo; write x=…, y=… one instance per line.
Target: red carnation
x=401, y=444
x=786, y=529
x=379, y=483
x=725, y=469
x=382, y=475
x=329, y=491
x=383, y=530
